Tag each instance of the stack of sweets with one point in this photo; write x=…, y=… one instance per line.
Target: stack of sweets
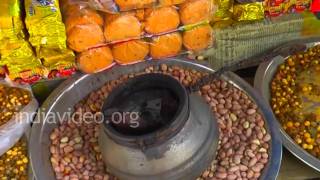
x=48, y=36
x=140, y=34
x=15, y=52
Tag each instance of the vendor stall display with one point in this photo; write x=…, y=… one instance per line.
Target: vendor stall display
x=143, y=58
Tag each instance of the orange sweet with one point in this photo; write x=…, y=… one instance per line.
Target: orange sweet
x=122, y=27
x=95, y=60
x=130, y=52
x=166, y=46
x=198, y=38
x=194, y=11
x=161, y=20
x=82, y=37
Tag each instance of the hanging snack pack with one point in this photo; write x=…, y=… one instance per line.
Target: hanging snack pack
x=48, y=35
x=137, y=35
x=248, y=12
x=278, y=7
x=15, y=52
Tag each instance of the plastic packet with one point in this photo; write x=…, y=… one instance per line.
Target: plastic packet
x=44, y=24
x=22, y=115
x=248, y=12
x=21, y=60
x=276, y=8
x=115, y=6
x=48, y=37
x=224, y=11
x=134, y=36
x=87, y=28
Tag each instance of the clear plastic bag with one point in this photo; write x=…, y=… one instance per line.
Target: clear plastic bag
x=115, y=6
x=192, y=41
x=130, y=37
x=87, y=27
x=20, y=122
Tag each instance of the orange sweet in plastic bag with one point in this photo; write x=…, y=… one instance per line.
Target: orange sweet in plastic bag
x=198, y=38
x=130, y=52
x=161, y=20
x=166, y=46
x=82, y=37
x=95, y=60
x=86, y=16
x=122, y=27
x=195, y=11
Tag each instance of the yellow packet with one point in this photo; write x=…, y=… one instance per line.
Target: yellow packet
x=44, y=24
x=248, y=12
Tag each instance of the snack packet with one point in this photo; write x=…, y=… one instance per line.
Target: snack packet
x=48, y=37
x=44, y=24
x=248, y=12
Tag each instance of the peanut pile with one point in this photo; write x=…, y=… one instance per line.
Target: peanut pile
x=244, y=141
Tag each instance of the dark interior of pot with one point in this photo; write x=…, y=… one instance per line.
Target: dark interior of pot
x=146, y=105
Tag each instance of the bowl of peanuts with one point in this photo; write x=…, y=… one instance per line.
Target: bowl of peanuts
x=290, y=84
x=249, y=140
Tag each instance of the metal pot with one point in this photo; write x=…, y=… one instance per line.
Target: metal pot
x=176, y=135
x=264, y=76
x=79, y=86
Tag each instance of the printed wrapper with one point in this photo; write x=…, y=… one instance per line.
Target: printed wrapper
x=26, y=73
x=20, y=60
x=276, y=8
x=61, y=69
x=11, y=25
x=51, y=57
x=248, y=12
x=224, y=11
x=116, y=6
x=44, y=24
x=194, y=40
x=20, y=55
x=293, y=6
x=13, y=32
x=86, y=28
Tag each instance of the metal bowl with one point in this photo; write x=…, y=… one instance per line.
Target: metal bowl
x=78, y=87
x=263, y=77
